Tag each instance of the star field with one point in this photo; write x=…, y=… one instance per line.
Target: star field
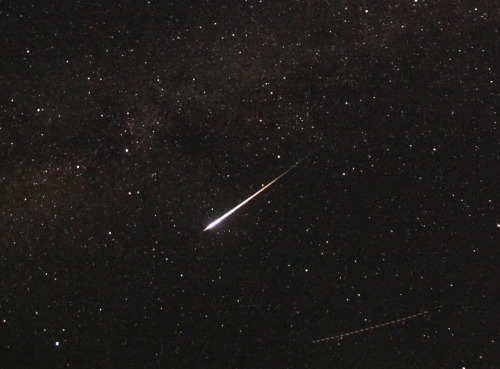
x=125, y=130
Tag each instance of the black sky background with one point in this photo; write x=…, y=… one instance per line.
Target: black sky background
x=126, y=128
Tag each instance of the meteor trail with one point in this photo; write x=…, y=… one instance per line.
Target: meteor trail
x=217, y=221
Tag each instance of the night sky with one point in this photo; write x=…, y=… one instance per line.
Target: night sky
x=126, y=129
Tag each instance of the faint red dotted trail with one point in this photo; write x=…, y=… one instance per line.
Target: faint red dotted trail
x=422, y=313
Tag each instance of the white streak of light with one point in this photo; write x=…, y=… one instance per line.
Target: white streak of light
x=217, y=221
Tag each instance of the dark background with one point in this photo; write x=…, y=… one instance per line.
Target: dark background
x=126, y=128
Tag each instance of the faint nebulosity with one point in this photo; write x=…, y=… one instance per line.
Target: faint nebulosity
x=126, y=129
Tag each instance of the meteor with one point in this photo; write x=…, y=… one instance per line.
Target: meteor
x=217, y=221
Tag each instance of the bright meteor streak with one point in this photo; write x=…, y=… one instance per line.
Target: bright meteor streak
x=217, y=221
